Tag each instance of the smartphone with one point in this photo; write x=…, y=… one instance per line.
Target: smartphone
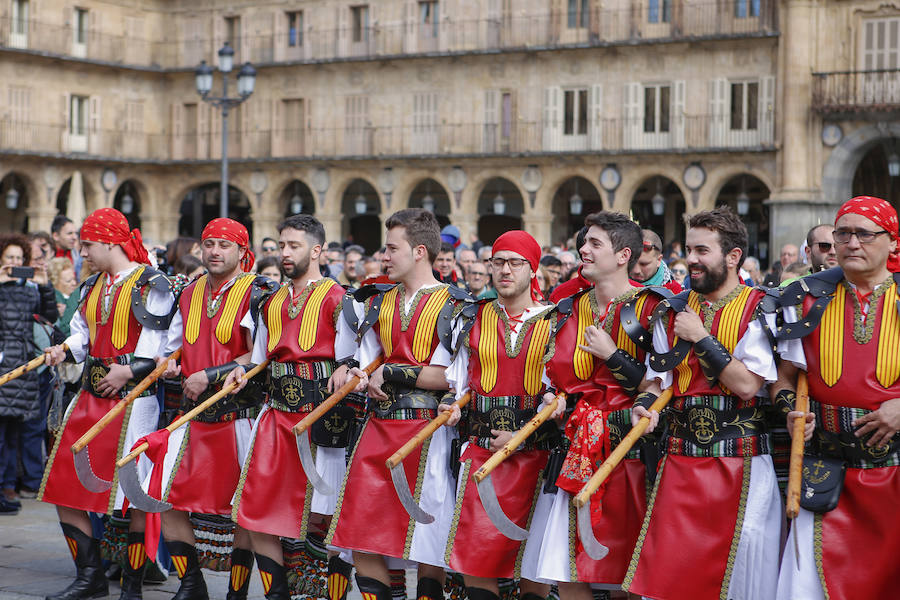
x=21, y=272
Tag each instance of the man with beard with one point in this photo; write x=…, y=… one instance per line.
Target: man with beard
x=214, y=326
x=117, y=331
x=298, y=334
x=715, y=510
x=410, y=325
x=601, y=340
x=820, y=248
x=507, y=389
x=841, y=327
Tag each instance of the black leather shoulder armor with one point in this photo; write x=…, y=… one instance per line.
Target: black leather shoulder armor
x=671, y=359
x=376, y=292
x=820, y=286
x=348, y=311
x=261, y=290
x=631, y=321
x=566, y=306
x=156, y=280
x=462, y=304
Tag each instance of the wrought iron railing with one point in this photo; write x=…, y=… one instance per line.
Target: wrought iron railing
x=856, y=91
x=684, y=20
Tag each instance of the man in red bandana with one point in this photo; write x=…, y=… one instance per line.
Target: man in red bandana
x=199, y=469
x=841, y=327
x=118, y=329
x=507, y=390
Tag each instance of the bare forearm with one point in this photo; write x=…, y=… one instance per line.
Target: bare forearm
x=432, y=378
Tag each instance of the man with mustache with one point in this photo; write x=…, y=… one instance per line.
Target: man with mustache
x=841, y=327
x=117, y=331
x=715, y=510
x=200, y=463
x=820, y=248
x=298, y=333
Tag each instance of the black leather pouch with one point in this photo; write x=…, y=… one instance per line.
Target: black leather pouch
x=455, y=453
x=821, y=484
x=335, y=428
x=553, y=468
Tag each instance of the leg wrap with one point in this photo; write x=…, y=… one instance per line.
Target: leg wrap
x=372, y=589
x=429, y=589
x=274, y=578
x=338, y=578
x=184, y=557
x=90, y=581
x=241, y=567
x=476, y=593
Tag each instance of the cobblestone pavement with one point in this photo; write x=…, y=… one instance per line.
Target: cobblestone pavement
x=34, y=561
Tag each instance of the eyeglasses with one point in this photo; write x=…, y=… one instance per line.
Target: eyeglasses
x=514, y=263
x=270, y=249
x=679, y=271
x=649, y=247
x=842, y=236
x=826, y=246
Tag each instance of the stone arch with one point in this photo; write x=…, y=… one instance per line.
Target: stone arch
x=361, y=209
x=566, y=221
x=441, y=200
x=24, y=194
x=199, y=204
x=669, y=225
x=492, y=223
x=757, y=211
x=288, y=197
x=137, y=191
x=841, y=165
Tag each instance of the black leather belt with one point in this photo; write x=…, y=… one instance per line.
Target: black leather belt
x=703, y=425
x=506, y=418
x=291, y=393
x=403, y=398
x=846, y=446
x=243, y=405
x=94, y=372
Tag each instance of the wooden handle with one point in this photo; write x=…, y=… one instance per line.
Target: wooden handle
x=194, y=412
x=796, y=466
x=616, y=456
x=417, y=440
x=31, y=365
x=503, y=453
x=333, y=399
x=116, y=410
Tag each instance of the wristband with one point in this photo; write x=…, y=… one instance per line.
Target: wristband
x=349, y=362
x=627, y=370
x=403, y=374
x=141, y=367
x=645, y=399
x=713, y=357
x=219, y=373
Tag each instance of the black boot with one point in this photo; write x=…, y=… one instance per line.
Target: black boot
x=90, y=581
x=477, y=593
x=192, y=587
x=429, y=589
x=372, y=589
x=338, y=578
x=133, y=569
x=241, y=567
x=274, y=578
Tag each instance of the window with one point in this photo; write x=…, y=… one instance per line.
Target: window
x=295, y=29
x=660, y=11
x=360, y=15
x=134, y=116
x=576, y=112
x=428, y=18
x=292, y=110
x=578, y=13
x=356, y=121
x=81, y=24
x=506, y=115
x=881, y=44
x=78, y=110
x=657, y=102
x=20, y=17
x=744, y=105
x=746, y=8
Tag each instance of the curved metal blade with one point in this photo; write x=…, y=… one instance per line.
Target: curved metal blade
x=398, y=475
x=594, y=549
x=86, y=475
x=309, y=465
x=491, y=505
x=139, y=499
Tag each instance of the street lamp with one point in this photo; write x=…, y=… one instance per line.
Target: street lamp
x=245, y=83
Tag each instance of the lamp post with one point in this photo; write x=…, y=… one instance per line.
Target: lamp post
x=245, y=82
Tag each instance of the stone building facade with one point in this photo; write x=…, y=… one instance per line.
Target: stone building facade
x=495, y=113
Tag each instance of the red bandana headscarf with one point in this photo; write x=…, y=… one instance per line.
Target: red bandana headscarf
x=882, y=214
x=523, y=244
x=229, y=229
x=109, y=226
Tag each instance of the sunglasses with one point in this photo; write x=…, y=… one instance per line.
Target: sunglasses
x=824, y=246
x=648, y=247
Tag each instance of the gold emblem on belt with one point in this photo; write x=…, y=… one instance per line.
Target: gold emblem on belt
x=702, y=423
x=503, y=419
x=291, y=390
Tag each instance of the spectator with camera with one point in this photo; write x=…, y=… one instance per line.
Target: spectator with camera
x=20, y=299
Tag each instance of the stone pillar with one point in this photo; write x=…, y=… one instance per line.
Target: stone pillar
x=330, y=215
x=538, y=225
x=797, y=203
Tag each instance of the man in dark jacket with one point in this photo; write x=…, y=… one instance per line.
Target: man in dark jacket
x=20, y=300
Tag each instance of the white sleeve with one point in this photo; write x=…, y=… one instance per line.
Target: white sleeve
x=79, y=337
x=152, y=341
x=260, y=343
x=249, y=324
x=369, y=348
x=345, y=344
x=174, y=335
x=755, y=351
x=661, y=346
x=792, y=350
x=457, y=373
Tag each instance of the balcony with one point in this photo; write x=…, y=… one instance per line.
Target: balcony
x=687, y=133
x=856, y=92
x=687, y=20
